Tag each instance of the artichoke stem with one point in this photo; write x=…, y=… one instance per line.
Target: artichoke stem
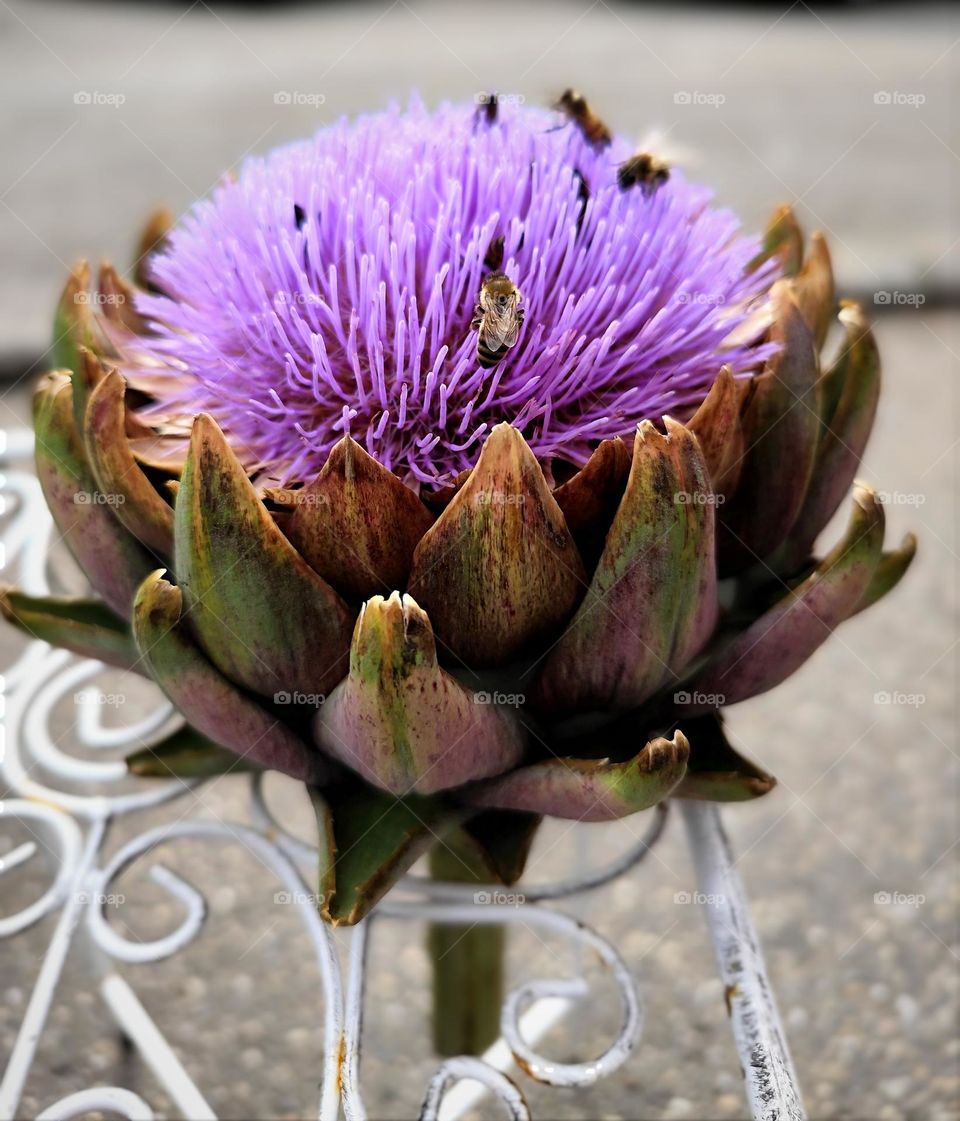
x=467, y=961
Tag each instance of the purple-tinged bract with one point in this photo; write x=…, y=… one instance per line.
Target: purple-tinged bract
x=331, y=288
x=457, y=662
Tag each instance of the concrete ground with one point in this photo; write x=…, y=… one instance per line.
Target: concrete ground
x=848, y=114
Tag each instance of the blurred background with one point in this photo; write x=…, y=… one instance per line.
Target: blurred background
x=849, y=112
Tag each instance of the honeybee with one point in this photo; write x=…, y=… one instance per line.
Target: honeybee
x=488, y=106
x=583, y=196
x=578, y=109
x=300, y=220
x=644, y=170
x=497, y=318
x=494, y=256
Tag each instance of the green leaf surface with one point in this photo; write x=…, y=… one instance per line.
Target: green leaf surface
x=186, y=754
x=367, y=840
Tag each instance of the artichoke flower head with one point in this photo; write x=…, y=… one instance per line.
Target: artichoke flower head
x=461, y=478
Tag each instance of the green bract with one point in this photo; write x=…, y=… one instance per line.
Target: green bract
x=479, y=655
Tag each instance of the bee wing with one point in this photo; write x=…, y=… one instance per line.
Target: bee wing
x=501, y=327
x=513, y=330
x=675, y=153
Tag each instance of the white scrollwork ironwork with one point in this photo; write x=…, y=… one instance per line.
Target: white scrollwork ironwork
x=68, y=812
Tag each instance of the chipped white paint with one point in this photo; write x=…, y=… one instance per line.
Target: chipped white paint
x=767, y=1066
x=461, y=1068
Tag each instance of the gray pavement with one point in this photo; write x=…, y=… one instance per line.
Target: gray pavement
x=867, y=801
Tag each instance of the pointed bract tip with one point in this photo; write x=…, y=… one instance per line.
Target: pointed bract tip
x=397, y=612
x=647, y=430
x=760, y=786
x=412, y=609
x=661, y=753
x=52, y=382
x=204, y=425
x=852, y=314
x=78, y=279
x=782, y=292
x=153, y=582
x=864, y=495
x=676, y=428
x=504, y=437
x=345, y=447
x=115, y=381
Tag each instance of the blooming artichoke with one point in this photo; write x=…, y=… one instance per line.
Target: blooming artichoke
x=454, y=594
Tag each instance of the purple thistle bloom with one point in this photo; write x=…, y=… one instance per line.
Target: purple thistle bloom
x=331, y=288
